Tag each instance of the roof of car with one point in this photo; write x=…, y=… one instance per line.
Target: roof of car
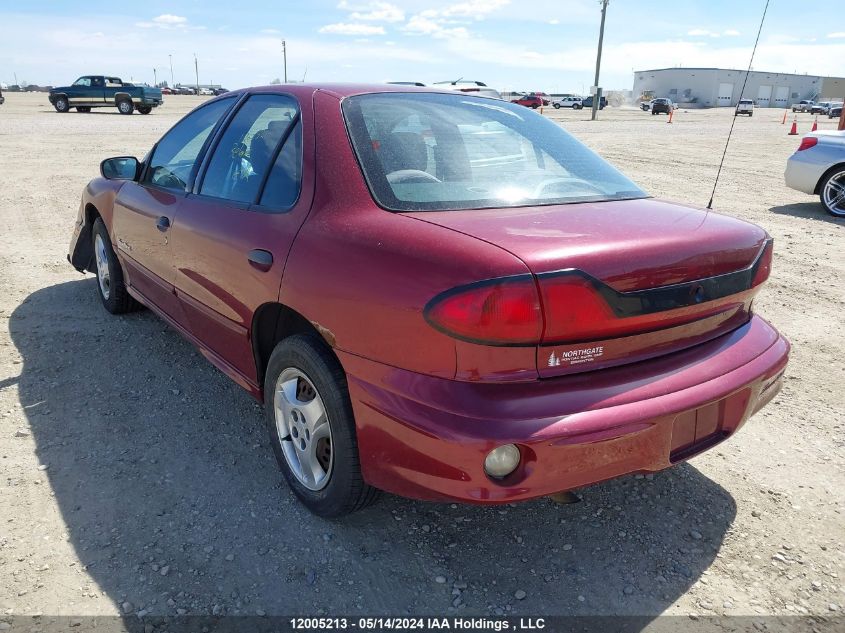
x=342, y=90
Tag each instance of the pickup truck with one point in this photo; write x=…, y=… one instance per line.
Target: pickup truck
x=101, y=91
x=804, y=106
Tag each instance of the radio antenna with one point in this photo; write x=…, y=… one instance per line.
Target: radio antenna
x=741, y=95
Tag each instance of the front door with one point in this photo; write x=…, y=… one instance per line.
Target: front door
x=232, y=236
x=144, y=211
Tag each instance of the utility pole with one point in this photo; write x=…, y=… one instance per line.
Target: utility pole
x=155, y=77
x=597, y=96
x=197, y=71
x=285, y=56
x=172, y=82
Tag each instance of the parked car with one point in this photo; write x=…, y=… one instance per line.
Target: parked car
x=744, y=106
x=543, y=96
x=206, y=92
x=2, y=98
x=646, y=105
x=820, y=108
x=805, y=105
x=220, y=91
x=818, y=168
x=166, y=91
x=835, y=112
x=478, y=88
x=277, y=229
x=101, y=91
x=528, y=101
x=661, y=106
x=568, y=102
x=587, y=102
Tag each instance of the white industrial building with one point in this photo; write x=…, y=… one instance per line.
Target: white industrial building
x=714, y=87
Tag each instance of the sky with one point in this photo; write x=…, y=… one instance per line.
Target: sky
x=542, y=45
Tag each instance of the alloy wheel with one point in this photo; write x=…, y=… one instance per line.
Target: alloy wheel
x=834, y=194
x=102, y=259
x=303, y=427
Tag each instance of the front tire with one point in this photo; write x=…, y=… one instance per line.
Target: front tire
x=125, y=106
x=110, y=284
x=832, y=192
x=312, y=427
x=557, y=106
x=62, y=105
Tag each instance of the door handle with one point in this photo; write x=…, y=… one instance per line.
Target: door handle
x=163, y=223
x=260, y=259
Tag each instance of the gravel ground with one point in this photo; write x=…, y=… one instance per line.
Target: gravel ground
x=137, y=478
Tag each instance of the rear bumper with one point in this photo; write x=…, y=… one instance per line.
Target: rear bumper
x=426, y=437
x=804, y=169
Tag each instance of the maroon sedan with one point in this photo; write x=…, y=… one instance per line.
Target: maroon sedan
x=443, y=296
x=529, y=101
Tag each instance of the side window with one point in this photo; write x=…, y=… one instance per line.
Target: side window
x=97, y=82
x=83, y=81
x=176, y=153
x=247, y=147
x=282, y=188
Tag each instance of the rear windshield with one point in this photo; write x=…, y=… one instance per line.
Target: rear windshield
x=427, y=152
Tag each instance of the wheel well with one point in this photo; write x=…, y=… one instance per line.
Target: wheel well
x=817, y=191
x=273, y=322
x=91, y=215
x=122, y=96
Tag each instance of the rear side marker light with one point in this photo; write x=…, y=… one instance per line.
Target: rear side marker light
x=807, y=142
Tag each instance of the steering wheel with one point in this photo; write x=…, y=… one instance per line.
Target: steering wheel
x=571, y=185
x=410, y=176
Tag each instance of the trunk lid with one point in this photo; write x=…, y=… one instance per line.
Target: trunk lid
x=670, y=273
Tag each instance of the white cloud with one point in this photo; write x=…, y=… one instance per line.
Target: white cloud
x=731, y=33
x=348, y=28
x=168, y=21
x=837, y=34
x=475, y=9
x=702, y=33
x=554, y=21
x=377, y=12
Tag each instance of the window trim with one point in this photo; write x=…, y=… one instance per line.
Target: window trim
x=218, y=136
x=144, y=182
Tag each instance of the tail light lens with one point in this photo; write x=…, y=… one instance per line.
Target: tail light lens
x=807, y=142
x=497, y=312
x=764, y=265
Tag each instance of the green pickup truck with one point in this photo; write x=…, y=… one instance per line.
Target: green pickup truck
x=100, y=91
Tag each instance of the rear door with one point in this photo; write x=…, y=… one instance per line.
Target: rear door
x=144, y=211
x=233, y=233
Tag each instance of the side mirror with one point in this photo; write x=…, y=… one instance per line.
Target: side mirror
x=120, y=168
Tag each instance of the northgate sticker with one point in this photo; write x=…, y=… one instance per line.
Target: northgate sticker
x=575, y=356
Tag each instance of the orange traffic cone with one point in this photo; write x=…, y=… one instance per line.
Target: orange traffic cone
x=815, y=125
x=671, y=111
x=784, y=117
x=794, y=130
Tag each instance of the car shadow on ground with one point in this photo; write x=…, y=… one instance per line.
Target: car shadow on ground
x=163, y=473
x=808, y=210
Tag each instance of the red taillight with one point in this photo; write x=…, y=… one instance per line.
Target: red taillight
x=807, y=142
x=573, y=309
x=764, y=266
x=498, y=312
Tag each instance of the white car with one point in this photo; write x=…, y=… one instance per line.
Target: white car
x=818, y=168
x=568, y=102
x=745, y=106
x=206, y=91
x=476, y=88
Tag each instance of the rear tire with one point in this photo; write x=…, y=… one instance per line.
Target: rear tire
x=325, y=477
x=62, y=105
x=145, y=109
x=125, y=106
x=832, y=192
x=110, y=285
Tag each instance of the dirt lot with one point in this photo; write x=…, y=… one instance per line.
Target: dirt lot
x=137, y=478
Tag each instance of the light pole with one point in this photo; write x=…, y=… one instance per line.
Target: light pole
x=155, y=78
x=597, y=96
x=285, y=56
x=172, y=82
x=197, y=71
